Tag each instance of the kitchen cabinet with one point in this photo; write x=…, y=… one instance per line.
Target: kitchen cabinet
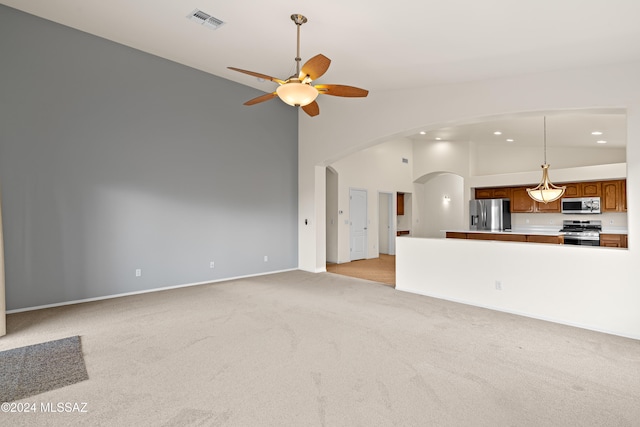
x=591, y=189
x=493, y=193
x=582, y=189
x=499, y=237
x=613, y=240
x=551, y=207
x=456, y=235
x=573, y=189
x=506, y=237
x=612, y=196
x=484, y=193
x=400, y=203
x=535, y=238
x=520, y=201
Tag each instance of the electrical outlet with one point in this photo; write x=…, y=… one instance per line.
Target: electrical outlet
x=266, y=258
x=498, y=285
x=138, y=272
x=212, y=264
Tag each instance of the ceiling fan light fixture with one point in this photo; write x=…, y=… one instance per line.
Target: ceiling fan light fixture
x=297, y=94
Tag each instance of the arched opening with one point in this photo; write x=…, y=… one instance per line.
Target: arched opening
x=440, y=200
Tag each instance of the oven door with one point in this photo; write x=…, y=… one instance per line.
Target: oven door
x=582, y=240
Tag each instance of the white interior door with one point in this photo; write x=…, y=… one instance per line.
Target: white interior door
x=358, y=223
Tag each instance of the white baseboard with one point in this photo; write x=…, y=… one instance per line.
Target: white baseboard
x=146, y=291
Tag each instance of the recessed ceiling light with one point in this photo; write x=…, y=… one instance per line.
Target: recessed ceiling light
x=596, y=132
x=509, y=140
x=438, y=139
x=497, y=132
x=601, y=142
x=423, y=133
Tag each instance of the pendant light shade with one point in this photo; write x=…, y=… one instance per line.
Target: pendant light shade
x=546, y=192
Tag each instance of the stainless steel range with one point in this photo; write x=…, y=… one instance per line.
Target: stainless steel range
x=583, y=233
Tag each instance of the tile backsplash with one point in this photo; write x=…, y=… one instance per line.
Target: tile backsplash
x=609, y=219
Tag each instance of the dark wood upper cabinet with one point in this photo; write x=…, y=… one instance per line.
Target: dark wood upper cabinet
x=520, y=201
x=572, y=190
x=613, y=196
x=551, y=207
x=493, y=193
x=591, y=189
x=502, y=193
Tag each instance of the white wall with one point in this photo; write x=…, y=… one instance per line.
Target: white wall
x=333, y=215
x=379, y=168
x=443, y=156
x=345, y=127
x=611, y=221
x=436, y=213
x=492, y=159
x=587, y=288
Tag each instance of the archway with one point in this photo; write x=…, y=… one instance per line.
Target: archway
x=440, y=199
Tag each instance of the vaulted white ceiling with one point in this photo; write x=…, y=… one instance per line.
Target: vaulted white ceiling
x=373, y=44
x=377, y=45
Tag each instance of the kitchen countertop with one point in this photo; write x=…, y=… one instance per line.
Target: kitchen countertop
x=539, y=231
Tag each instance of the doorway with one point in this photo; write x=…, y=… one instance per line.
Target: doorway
x=386, y=237
x=358, y=224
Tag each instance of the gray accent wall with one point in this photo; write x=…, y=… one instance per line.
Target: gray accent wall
x=113, y=160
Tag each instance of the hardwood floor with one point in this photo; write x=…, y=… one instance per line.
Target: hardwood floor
x=381, y=269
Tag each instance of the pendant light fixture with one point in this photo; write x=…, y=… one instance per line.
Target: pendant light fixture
x=546, y=192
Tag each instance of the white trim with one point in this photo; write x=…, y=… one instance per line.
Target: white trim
x=146, y=291
x=518, y=313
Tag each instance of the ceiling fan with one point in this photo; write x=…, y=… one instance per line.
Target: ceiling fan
x=297, y=89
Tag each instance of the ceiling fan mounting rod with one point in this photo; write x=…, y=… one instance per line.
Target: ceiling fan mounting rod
x=299, y=20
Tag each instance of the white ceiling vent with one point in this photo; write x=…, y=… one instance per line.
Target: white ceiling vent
x=205, y=19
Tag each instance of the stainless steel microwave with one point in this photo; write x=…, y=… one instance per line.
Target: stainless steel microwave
x=581, y=205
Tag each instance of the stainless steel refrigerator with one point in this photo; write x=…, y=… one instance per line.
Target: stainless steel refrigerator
x=490, y=214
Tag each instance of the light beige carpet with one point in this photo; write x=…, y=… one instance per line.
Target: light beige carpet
x=302, y=349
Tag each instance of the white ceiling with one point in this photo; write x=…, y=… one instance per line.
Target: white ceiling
x=566, y=129
x=373, y=44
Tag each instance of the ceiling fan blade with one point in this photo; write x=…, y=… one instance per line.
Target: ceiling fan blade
x=341, y=90
x=315, y=67
x=261, y=98
x=258, y=75
x=312, y=109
